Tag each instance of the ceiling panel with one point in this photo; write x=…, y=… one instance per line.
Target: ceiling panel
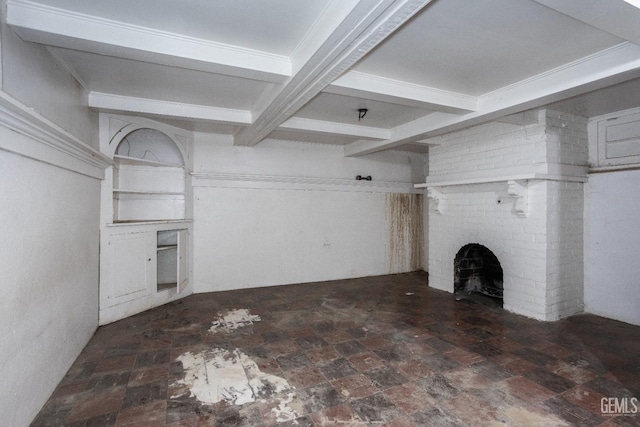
x=146, y=80
x=344, y=109
x=475, y=47
x=311, y=137
x=274, y=26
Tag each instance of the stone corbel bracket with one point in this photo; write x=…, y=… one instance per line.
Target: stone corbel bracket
x=435, y=194
x=519, y=189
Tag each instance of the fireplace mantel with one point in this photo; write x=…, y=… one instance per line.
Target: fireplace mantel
x=517, y=183
x=517, y=187
x=545, y=172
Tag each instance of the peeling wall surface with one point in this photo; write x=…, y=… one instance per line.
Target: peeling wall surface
x=405, y=214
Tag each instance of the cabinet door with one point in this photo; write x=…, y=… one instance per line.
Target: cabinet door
x=619, y=140
x=127, y=268
x=183, y=259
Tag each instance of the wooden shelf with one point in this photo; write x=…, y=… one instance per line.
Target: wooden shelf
x=166, y=247
x=129, y=222
x=166, y=286
x=162, y=193
x=505, y=178
x=482, y=180
x=135, y=161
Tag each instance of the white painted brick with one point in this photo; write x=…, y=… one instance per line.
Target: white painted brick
x=541, y=254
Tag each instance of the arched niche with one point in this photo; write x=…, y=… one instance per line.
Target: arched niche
x=149, y=176
x=148, y=144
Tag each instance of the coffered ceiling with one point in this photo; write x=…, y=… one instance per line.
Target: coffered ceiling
x=301, y=69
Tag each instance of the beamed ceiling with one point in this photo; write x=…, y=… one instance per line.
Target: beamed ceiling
x=300, y=69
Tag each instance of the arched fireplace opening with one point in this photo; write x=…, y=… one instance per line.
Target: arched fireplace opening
x=478, y=275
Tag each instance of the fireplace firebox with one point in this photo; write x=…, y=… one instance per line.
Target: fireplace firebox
x=478, y=274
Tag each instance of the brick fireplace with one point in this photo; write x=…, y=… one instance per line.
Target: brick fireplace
x=516, y=189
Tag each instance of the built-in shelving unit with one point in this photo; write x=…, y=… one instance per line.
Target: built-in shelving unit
x=148, y=188
x=169, y=193
x=146, y=216
x=133, y=161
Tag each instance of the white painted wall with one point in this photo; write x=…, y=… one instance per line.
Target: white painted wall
x=216, y=153
x=31, y=74
x=49, y=225
x=283, y=213
x=612, y=245
x=49, y=263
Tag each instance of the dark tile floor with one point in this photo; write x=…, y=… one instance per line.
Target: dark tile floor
x=374, y=351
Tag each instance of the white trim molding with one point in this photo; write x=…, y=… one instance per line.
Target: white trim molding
x=47, y=142
x=267, y=182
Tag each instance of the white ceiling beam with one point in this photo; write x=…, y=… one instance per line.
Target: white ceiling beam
x=190, y=112
x=168, y=109
x=382, y=89
x=332, y=15
x=298, y=124
x=63, y=28
x=369, y=23
x=401, y=135
x=611, y=66
x=615, y=17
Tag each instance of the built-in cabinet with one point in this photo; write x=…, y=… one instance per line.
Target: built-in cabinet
x=171, y=256
x=146, y=216
x=614, y=141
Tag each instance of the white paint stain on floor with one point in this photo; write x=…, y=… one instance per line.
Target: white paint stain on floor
x=284, y=412
x=232, y=320
x=218, y=375
x=525, y=417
